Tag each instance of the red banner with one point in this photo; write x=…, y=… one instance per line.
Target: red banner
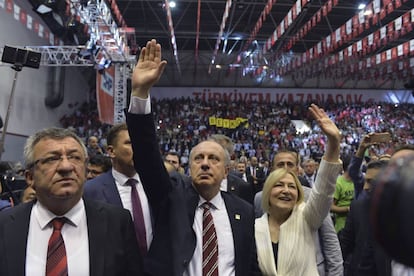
x=105, y=95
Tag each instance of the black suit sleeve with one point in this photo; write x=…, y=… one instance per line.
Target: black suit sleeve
x=155, y=180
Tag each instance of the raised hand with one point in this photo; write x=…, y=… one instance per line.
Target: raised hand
x=148, y=69
x=331, y=131
x=326, y=124
x=364, y=144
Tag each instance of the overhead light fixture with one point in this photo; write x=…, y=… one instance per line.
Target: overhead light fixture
x=72, y=23
x=46, y=6
x=42, y=9
x=171, y=5
x=368, y=12
x=361, y=6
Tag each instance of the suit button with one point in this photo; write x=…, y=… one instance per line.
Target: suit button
x=185, y=262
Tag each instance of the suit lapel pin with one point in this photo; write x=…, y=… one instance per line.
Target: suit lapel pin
x=237, y=216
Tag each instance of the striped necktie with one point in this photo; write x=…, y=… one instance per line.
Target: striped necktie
x=56, y=263
x=210, y=247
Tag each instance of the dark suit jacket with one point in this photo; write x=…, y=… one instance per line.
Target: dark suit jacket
x=113, y=249
x=304, y=181
x=175, y=203
x=103, y=188
x=260, y=176
x=235, y=185
x=239, y=187
x=368, y=258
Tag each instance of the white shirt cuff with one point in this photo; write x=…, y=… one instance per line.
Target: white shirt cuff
x=139, y=105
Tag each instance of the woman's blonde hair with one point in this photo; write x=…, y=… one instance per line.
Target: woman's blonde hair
x=273, y=178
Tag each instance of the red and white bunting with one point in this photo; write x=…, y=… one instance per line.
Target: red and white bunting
x=29, y=21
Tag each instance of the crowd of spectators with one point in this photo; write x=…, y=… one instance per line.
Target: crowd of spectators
x=184, y=122
x=85, y=122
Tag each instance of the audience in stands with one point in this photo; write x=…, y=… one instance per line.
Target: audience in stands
x=309, y=171
x=93, y=147
x=183, y=122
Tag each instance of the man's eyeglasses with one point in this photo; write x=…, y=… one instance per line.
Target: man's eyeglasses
x=54, y=160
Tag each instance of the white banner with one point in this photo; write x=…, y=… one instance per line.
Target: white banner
x=286, y=95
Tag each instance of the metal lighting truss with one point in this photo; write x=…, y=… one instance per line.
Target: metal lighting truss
x=104, y=31
x=64, y=55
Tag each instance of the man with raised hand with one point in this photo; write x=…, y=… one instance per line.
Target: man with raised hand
x=192, y=221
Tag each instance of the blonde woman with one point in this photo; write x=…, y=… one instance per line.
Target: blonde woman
x=285, y=233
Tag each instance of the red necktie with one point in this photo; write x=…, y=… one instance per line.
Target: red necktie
x=210, y=247
x=56, y=263
x=138, y=215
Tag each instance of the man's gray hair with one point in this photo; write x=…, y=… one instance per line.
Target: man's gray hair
x=53, y=133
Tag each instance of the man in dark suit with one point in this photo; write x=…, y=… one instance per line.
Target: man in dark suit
x=177, y=247
x=97, y=239
x=236, y=185
x=365, y=256
x=255, y=175
x=112, y=187
x=233, y=183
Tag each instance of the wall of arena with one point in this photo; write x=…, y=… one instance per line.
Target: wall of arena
x=28, y=111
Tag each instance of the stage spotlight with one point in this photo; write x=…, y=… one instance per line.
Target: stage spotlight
x=361, y=6
x=103, y=64
x=90, y=51
x=90, y=45
x=72, y=23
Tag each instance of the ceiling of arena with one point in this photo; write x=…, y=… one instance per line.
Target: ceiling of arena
x=286, y=43
x=202, y=20
x=277, y=39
